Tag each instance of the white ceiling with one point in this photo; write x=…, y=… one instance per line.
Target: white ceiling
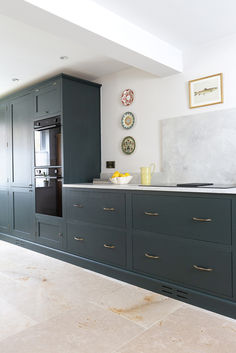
x=182, y=23
x=30, y=50
x=31, y=54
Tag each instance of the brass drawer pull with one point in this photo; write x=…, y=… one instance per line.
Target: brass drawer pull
x=79, y=238
x=203, y=268
x=151, y=213
x=202, y=219
x=109, y=246
x=109, y=209
x=152, y=256
x=78, y=205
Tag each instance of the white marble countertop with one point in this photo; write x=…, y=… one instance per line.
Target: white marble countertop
x=136, y=187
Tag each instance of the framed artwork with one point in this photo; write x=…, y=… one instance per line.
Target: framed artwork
x=206, y=91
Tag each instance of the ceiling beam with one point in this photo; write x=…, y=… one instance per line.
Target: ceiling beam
x=99, y=29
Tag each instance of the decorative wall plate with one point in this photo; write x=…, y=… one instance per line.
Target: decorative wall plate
x=127, y=97
x=128, y=145
x=127, y=120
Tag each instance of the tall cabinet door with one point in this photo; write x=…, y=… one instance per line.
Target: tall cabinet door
x=22, y=203
x=4, y=210
x=4, y=144
x=22, y=141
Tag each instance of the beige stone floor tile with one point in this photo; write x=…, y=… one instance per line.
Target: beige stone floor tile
x=188, y=330
x=12, y=320
x=138, y=305
x=49, y=306
x=19, y=262
x=41, y=299
x=42, y=287
x=88, y=329
x=37, y=302
x=23, y=264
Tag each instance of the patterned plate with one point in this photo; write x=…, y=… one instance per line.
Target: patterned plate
x=127, y=120
x=127, y=97
x=128, y=145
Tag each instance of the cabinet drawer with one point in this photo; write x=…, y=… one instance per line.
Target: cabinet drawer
x=96, y=207
x=102, y=244
x=205, y=219
x=189, y=262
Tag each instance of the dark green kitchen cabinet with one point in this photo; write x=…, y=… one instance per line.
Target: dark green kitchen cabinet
x=47, y=99
x=206, y=219
x=92, y=208
x=49, y=231
x=22, y=206
x=77, y=103
x=22, y=141
x=4, y=143
x=97, y=242
x=81, y=130
x=4, y=210
x=198, y=264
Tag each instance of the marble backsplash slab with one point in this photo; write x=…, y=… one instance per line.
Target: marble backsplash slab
x=200, y=148
x=197, y=148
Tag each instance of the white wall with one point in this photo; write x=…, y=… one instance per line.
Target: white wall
x=160, y=98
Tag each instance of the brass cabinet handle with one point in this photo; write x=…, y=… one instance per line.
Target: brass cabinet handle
x=78, y=238
x=109, y=209
x=203, y=268
x=109, y=246
x=151, y=256
x=202, y=219
x=78, y=205
x=151, y=213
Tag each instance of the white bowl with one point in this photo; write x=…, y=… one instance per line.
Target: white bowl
x=121, y=180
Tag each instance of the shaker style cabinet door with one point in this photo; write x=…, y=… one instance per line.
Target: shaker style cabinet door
x=47, y=100
x=4, y=144
x=22, y=203
x=4, y=211
x=49, y=231
x=22, y=141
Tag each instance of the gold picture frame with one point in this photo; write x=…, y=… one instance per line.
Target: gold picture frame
x=205, y=91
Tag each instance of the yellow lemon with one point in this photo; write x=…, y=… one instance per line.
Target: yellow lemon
x=116, y=174
x=127, y=174
x=122, y=175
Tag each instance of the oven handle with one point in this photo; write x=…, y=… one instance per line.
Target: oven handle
x=45, y=127
x=49, y=177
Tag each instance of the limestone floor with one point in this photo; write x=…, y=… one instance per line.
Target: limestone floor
x=48, y=306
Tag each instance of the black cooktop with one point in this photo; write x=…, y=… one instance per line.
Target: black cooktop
x=196, y=185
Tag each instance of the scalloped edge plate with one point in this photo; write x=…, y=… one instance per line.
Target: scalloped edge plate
x=127, y=120
x=123, y=142
x=127, y=97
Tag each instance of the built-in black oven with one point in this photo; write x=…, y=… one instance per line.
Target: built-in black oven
x=48, y=166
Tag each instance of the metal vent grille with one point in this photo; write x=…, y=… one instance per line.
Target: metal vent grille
x=175, y=293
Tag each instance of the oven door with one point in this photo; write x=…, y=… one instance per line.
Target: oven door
x=47, y=146
x=48, y=196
